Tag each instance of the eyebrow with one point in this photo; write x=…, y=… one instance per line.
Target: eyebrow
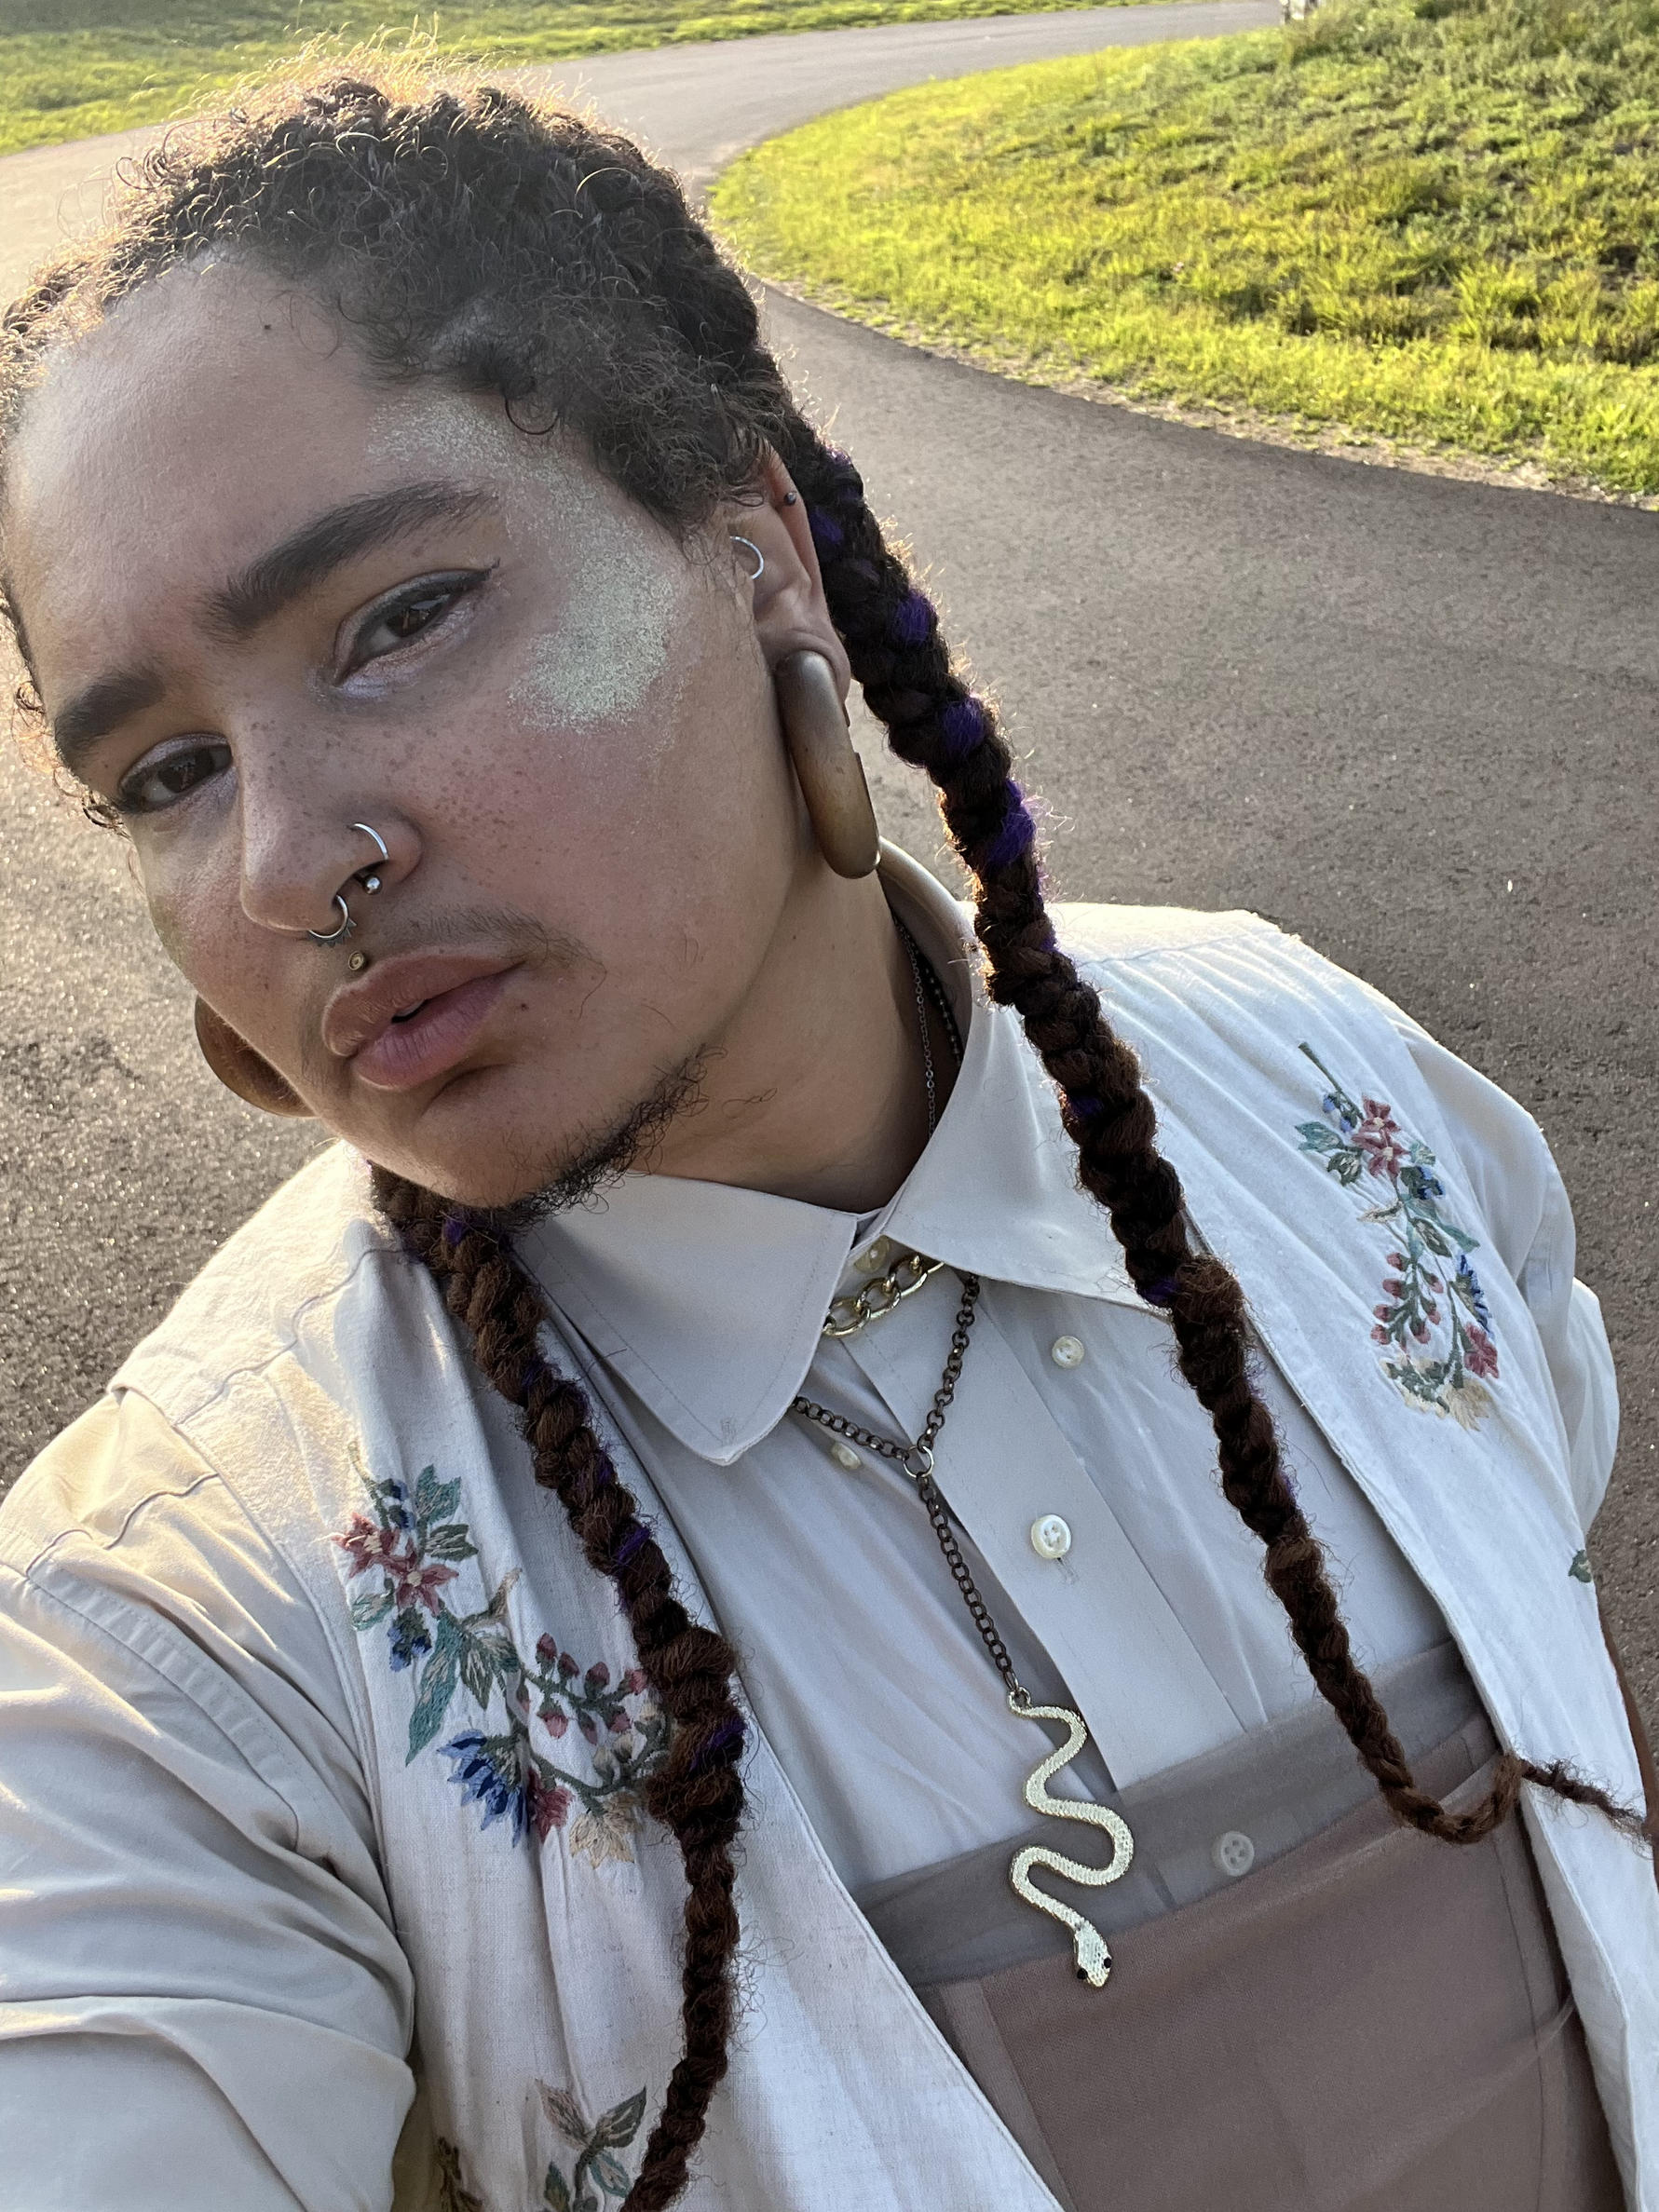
x=102, y=706
x=318, y=548
x=262, y=589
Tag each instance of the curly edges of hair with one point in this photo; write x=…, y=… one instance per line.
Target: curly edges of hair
x=462, y=233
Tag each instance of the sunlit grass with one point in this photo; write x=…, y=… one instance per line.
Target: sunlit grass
x=1436, y=223
x=75, y=68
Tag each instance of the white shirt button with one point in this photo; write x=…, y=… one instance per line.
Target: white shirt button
x=844, y=1456
x=1051, y=1538
x=1233, y=1853
x=1067, y=1351
x=873, y=1261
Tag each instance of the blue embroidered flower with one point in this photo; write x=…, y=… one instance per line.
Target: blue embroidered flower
x=490, y=1771
x=410, y=1638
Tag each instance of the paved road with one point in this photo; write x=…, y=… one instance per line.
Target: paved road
x=1414, y=719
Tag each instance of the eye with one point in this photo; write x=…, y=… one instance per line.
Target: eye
x=156, y=784
x=399, y=620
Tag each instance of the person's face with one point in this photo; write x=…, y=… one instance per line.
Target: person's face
x=267, y=597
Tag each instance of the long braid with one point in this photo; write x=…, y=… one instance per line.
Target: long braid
x=697, y=1791
x=935, y=723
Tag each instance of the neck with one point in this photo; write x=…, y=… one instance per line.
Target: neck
x=815, y=1089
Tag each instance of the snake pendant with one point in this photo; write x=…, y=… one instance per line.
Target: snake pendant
x=1093, y=1960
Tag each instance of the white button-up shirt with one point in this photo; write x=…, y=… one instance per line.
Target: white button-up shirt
x=310, y=1714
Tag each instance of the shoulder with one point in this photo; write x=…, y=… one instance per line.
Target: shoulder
x=1101, y=934
x=1232, y=977
x=315, y=1249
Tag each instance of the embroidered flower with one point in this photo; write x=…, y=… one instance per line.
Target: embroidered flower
x=417, y=1582
x=416, y=1542
x=366, y=1544
x=1377, y=1137
x=1433, y=1324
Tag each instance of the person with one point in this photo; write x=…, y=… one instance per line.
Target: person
x=769, y=1587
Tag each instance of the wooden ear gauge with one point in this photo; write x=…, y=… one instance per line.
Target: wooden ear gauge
x=826, y=766
x=241, y=1070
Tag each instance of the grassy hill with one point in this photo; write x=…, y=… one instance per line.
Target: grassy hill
x=73, y=68
x=1435, y=221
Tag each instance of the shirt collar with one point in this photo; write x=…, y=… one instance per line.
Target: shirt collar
x=708, y=1300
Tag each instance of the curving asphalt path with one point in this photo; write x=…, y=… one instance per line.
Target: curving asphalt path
x=1414, y=719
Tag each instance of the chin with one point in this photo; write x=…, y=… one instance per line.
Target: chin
x=498, y=1162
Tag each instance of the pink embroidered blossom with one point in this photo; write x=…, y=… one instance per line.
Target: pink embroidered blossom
x=365, y=1545
x=417, y=1582
x=1380, y=1138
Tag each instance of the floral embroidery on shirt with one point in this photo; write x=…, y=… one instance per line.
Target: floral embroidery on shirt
x=453, y=2195
x=596, y=2149
x=1579, y=1567
x=1433, y=1322
x=413, y=1542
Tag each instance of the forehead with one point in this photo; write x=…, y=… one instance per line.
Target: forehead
x=204, y=419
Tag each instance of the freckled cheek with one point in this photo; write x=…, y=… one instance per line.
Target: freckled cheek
x=196, y=915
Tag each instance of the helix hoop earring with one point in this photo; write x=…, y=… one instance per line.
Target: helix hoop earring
x=749, y=546
x=241, y=1070
x=826, y=766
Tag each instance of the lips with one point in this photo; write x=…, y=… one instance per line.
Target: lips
x=414, y=1018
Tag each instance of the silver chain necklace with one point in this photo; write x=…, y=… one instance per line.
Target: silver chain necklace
x=1089, y=1950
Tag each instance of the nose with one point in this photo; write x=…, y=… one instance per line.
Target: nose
x=317, y=878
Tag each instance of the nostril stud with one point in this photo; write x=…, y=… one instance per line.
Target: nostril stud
x=357, y=962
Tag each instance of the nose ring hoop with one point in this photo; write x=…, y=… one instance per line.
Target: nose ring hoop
x=367, y=876
x=345, y=930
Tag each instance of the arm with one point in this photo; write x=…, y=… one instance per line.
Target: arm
x=202, y=2000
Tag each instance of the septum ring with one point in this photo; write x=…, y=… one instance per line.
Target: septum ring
x=748, y=543
x=369, y=880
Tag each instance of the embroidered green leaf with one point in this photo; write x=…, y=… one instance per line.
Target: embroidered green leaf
x=566, y=2114
x=367, y=1609
x=1581, y=1570
x=610, y=2173
x=1316, y=1137
x=437, y=1686
x=1346, y=1165
x=556, y=2189
x=483, y=1658
x=435, y=1500
x=621, y=2124
x=450, y=1541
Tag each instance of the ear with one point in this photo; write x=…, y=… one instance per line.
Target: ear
x=790, y=612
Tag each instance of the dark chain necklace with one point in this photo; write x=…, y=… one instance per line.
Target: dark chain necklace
x=1093, y=1960
x=917, y=1459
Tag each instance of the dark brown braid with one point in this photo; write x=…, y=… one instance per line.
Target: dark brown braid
x=462, y=234
x=696, y=1792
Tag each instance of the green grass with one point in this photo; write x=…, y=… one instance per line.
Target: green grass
x=1437, y=224
x=75, y=68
